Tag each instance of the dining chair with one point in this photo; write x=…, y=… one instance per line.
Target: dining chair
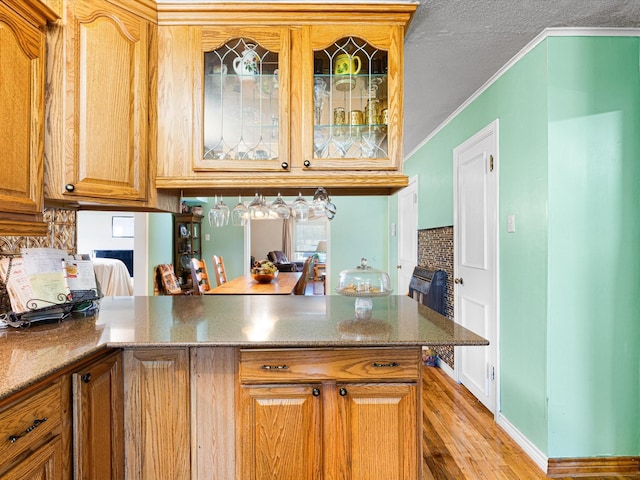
x=218, y=267
x=166, y=282
x=301, y=285
x=200, y=276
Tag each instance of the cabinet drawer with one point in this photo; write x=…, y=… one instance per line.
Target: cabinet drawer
x=362, y=364
x=29, y=422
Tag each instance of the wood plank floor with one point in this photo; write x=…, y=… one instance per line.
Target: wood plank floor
x=461, y=440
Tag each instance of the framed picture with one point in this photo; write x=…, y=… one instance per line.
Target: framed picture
x=122, y=227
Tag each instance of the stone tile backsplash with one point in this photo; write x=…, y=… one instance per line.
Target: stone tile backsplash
x=435, y=251
x=61, y=234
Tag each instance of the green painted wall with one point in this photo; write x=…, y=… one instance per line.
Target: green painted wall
x=556, y=303
x=360, y=229
x=594, y=254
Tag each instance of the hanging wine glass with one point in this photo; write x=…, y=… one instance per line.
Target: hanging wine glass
x=300, y=208
x=320, y=198
x=214, y=213
x=280, y=207
x=239, y=214
x=330, y=209
x=223, y=213
x=258, y=207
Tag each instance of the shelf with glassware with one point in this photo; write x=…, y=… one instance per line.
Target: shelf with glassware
x=187, y=244
x=355, y=95
x=350, y=116
x=242, y=106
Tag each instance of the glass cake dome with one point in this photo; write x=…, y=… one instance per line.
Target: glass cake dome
x=364, y=283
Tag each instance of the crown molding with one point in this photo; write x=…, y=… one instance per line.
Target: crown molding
x=546, y=33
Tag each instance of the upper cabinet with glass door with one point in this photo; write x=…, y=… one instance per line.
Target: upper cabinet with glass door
x=356, y=104
x=280, y=96
x=245, y=96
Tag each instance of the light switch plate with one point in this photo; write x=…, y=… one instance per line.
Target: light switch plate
x=511, y=223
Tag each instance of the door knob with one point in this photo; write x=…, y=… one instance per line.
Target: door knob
x=457, y=281
x=398, y=266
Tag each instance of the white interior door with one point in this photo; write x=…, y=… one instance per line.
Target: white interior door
x=475, y=260
x=407, y=234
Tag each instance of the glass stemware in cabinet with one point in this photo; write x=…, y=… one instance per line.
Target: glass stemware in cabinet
x=342, y=140
x=241, y=103
x=319, y=95
x=239, y=214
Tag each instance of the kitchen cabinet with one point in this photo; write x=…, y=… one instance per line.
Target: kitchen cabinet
x=22, y=111
x=338, y=413
x=34, y=434
x=250, y=96
x=187, y=244
x=98, y=419
x=157, y=413
x=100, y=135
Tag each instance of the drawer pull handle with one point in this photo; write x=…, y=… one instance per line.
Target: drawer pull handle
x=275, y=367
x=36, y=422
x=385, y=365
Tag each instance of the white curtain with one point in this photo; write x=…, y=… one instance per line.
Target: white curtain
x=287, y=238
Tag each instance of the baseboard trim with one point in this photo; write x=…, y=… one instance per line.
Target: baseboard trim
x=593, y=466
x=447, y=369
x=533, y=452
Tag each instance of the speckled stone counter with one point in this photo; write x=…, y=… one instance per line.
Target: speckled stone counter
x=260, y=321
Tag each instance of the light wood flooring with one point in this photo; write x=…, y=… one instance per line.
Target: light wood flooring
x=461, y=440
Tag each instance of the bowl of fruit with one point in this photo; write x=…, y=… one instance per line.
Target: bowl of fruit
x=264, y=271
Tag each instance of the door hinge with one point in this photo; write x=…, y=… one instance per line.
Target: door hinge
x=492, y=373
x=491, y=163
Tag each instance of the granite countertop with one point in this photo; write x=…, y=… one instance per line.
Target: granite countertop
x=261, y=321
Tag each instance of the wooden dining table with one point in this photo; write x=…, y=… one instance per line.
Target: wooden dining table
x=283, y=284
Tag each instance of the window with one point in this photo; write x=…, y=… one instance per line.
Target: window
x=306, y=236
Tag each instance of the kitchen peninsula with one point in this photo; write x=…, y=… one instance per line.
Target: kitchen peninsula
x=219, y=386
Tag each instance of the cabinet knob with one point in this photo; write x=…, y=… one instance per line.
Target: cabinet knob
x=315, y=392
x=69, y=187
x=86, y=378
x=284, y=165
x=342, y=392
x=307, y=163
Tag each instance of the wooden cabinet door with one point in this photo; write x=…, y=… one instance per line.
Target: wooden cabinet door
x=157, y=412
x=22, y=61
x=352, y=121
x=378, y=437
x=43, y=464
x=280, y=431
x=105, y=111
x=98, y=420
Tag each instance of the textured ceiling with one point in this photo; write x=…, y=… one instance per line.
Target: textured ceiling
x=453, y=47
